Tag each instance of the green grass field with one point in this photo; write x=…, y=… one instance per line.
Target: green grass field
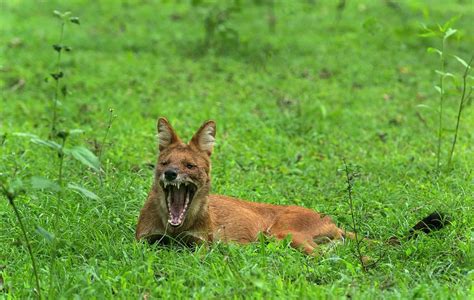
x=290, y=103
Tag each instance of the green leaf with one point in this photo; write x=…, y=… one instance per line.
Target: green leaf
x=25, y=134
x=427, y=32
x=259, y=284
x=57, y=13
x=63, y=134
x=86, y=157
x=323, y=110
x=438, y=89
x=60, y=14
x=83, y=191
x=462, y=61
x=57, y=48
x=350, y=267
x=49, y=144
x=434, y=50
x=449, y=23
x=423, y=106
x=408, y=252
x=75, y=20
x=40, y=183
x=449, y=33
x=16, y=186
x=46, y=234
x=76, y=131
x=444, y=74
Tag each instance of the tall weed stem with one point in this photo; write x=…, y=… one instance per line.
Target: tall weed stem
x=464, y=99
x=350, y=176
x=441, y=102
x=61, y=161
x=11, y=199
x=57, y=77
x=104, y=140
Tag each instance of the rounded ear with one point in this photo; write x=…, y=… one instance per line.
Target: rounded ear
x=166, y=134
x=204, y=138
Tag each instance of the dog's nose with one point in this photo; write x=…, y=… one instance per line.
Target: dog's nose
x=170, y=175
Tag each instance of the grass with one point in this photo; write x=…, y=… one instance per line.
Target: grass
x=354, y=83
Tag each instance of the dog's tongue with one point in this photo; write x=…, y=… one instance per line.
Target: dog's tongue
x=177, y=205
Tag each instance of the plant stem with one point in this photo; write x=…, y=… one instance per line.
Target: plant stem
x=349, y=178
x=461, y=107
x=60, y=176
x=51, y=269
x=11, y=200
x=109, y=124
x=56, y=92
x=61, y=161
x=104, y=140
x=441, y=100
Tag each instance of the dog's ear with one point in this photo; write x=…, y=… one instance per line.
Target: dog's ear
x=166, y=134
x=204, y=138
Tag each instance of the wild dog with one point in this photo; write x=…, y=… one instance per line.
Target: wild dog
x=179, y=204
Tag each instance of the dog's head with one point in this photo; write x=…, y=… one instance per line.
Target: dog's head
x=182, y=174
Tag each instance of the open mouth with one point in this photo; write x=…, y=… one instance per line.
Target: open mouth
x=178, y=198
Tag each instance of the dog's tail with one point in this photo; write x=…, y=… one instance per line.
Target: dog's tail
x=433, y=222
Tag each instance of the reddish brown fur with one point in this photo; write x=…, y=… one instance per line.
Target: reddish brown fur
x=216, y=217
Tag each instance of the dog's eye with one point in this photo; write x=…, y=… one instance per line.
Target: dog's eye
x=190, y=166
x=164, y=163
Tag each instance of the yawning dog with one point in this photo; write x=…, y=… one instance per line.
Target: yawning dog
x=179, y=204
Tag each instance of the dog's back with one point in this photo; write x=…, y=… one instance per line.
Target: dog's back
x=241, y=221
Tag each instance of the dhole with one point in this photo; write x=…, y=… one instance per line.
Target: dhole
x=179, y=204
